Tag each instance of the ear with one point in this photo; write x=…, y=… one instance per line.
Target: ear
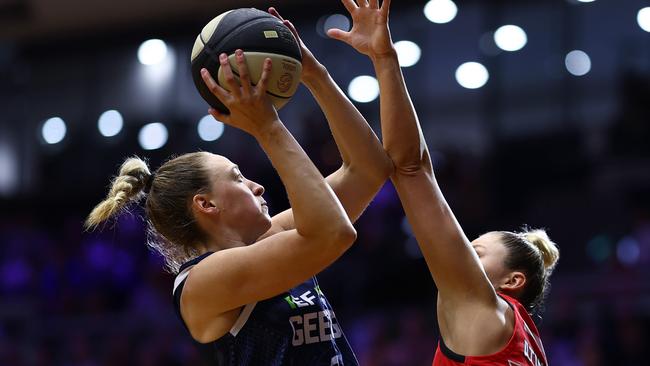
x=514, y=282
x=201, y=203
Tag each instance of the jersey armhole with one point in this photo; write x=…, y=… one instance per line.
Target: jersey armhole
x=461, y=358
x=449, y=353
x=179, y=283
x=242, y=319
x=177, y=291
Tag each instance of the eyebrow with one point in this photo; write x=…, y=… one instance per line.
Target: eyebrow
x=235, y=170
x=478, y=246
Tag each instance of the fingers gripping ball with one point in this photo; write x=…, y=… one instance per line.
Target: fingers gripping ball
x=260, y=35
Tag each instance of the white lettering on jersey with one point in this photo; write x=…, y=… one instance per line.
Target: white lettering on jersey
x=535, y=338
x=336, y=361
x=305, y=299
x=530, y=354
x=325, y=324
x=308, y=330
x=310, y=326
x=297, y=333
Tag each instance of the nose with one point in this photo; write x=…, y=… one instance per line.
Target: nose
x=257, y=189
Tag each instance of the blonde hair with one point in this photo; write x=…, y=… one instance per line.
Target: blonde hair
x=532, y=252
x=172, y=229
x=128, y=186
x=547, y=248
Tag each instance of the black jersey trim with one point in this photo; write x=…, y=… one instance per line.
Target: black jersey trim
x=194, y=261
x=449, y=353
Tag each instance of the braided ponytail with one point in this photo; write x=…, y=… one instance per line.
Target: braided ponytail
x=128, y=186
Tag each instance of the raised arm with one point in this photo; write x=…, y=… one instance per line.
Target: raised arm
x=230, y=278
x=462, y=283
x=365, y=165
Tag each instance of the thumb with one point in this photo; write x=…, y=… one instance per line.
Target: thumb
x=338, y=34
x=219, y=116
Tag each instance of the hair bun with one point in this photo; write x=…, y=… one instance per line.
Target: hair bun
x=548, y=249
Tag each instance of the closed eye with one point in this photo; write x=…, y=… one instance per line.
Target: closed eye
x=238, y=175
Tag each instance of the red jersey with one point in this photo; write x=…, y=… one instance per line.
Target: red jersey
x=523, y=349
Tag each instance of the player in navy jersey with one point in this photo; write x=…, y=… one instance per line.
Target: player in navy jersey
x=245, y=287
x=485, y=287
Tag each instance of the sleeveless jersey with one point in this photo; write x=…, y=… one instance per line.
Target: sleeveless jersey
x=296, y=327
x=523, y=349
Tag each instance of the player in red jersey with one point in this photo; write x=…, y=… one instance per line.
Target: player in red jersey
x=487, y=287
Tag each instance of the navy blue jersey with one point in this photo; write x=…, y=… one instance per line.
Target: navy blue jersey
x=297, y=327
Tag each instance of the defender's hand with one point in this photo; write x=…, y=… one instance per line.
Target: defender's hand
x=369, y=34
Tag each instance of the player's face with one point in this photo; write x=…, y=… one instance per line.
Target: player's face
x=240, y=202
x=492, y=253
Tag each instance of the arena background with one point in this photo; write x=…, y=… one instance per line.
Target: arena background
x=535, y=145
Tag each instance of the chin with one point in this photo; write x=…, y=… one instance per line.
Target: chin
x=264, y=225
x=268, y=223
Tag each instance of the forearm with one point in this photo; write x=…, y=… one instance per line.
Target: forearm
x=453, y=264
x=401, y=130
x=316, y=209
x=360, y=148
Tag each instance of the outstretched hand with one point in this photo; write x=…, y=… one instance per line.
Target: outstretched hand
x=369, y=34
x=250, y=108
x=310, y=66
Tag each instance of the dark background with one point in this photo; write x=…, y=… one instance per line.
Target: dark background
x=536, y=145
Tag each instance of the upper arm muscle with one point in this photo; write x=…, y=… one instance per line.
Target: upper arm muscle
x=234, y=277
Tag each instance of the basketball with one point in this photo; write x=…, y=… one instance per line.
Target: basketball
x=260, y=35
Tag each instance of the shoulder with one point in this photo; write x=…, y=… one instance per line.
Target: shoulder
x=184, y=271
x=181, y=276
x=209, y=329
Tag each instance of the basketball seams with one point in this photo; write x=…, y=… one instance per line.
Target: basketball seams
x=243, y=29
x=232, y=34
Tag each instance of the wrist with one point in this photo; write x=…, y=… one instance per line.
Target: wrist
x=389, y=55
x=386, y=63
x=267, y=130
x=318, y=73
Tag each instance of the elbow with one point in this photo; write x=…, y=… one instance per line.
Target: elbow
x=336, y=240
x=348, y=235
x=343, y=236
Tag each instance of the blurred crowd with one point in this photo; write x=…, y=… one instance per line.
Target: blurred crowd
x=69, y=297
x=75, y=298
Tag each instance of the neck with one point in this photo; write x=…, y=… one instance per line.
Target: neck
x=225, y=240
